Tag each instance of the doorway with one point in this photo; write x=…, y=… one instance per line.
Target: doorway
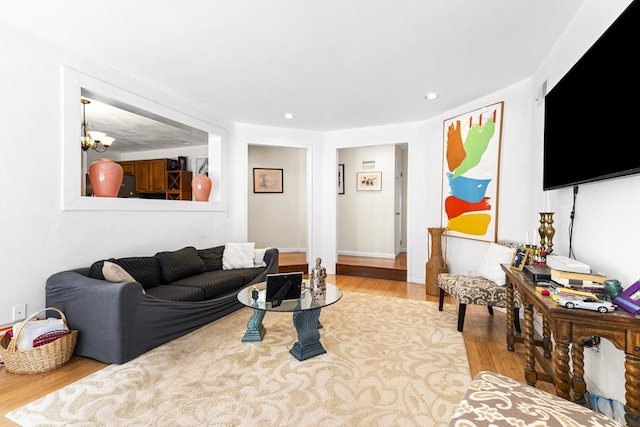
x=279, y=219
x=371, y=225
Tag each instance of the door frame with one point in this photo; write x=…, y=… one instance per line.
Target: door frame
x=399, y=170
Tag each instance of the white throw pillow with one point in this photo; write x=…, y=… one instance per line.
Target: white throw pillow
x=238, y=255
x=490, y=267
x=258, y=260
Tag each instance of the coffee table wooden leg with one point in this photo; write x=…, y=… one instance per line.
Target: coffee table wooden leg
x=255, y=328
x=308, y=345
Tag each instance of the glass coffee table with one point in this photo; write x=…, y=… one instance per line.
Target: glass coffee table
x=306, y=317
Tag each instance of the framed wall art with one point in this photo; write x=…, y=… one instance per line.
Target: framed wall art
x=341, y=179
x=369, y=181
x=470, y=176
x=202, y=166
x=267, y=180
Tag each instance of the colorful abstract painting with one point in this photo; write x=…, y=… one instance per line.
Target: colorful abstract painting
x=471, y=167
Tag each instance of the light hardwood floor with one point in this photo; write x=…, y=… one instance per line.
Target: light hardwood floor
x=484, y=337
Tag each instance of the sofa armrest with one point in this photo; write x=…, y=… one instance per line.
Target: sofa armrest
x=272, y=258
x=101, y=311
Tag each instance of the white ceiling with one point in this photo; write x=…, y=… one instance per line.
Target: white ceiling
x=134, y=132
x=333, y=64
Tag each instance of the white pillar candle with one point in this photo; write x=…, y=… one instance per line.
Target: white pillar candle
x=546, y=205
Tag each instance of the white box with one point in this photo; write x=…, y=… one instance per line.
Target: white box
x=559, y=262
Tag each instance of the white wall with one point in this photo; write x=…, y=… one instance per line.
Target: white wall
x=38, y=239
x=279, y=219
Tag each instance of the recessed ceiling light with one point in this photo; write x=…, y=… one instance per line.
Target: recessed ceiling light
x=288, y=116
x=431, y=96
x=186, y=143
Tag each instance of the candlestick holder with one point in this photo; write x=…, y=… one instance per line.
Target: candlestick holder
x=546, y=231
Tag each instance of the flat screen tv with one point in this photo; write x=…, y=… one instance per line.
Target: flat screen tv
x=592, y=115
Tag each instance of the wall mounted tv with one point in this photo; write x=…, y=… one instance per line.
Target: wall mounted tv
x=591, y=114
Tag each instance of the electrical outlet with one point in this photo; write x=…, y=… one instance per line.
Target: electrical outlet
x=19, y=312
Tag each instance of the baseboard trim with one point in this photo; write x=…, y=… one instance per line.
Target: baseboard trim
x=371, y=272
x=367, y=254
x=303, y=250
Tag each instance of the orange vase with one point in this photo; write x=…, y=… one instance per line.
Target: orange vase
x=105, y=176
x=201, y=186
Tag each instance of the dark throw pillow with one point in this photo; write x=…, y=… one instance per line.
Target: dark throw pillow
x=95, y=271
x=176, y=265
x=212, y=257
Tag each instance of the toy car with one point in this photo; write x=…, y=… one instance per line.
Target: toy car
x=586, y=303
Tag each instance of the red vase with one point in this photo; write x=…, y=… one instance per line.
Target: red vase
x=201, y=186
x=105, y=176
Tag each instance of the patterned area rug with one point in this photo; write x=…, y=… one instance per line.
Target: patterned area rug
x=389, y=362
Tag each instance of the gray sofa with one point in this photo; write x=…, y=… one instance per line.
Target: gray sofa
x=174, y=293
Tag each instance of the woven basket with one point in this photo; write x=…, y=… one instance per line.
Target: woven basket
x=38, y=359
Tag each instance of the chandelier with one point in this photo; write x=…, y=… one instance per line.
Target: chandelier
x=98, y=141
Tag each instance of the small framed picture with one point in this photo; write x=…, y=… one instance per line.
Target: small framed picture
x=266, y=180
x=341, y=179
x=629, y=299
x=519, y=259
x=369, y=181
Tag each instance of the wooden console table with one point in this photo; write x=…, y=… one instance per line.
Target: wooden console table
x=573, y=327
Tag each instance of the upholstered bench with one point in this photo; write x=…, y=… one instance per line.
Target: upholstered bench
x=488, y=288
x=493, y=400
x=476, y=290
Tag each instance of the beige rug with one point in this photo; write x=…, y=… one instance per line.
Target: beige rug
x=389, y=362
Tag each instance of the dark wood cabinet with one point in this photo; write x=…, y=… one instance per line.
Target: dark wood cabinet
x=154, y=176
x=151, y=175
x=179, y=185
x=128, y=167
